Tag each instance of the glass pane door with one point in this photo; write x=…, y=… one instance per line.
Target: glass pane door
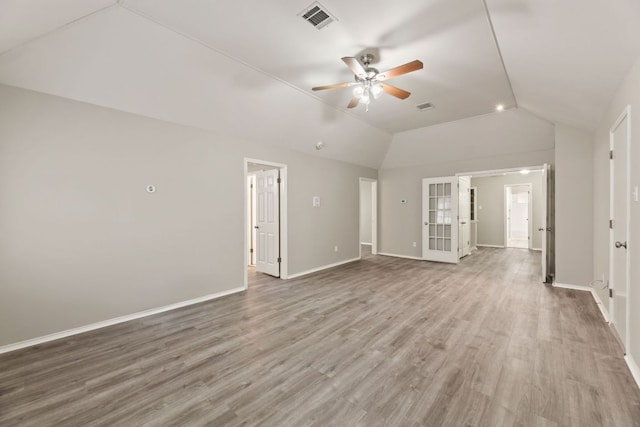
x=440, y=219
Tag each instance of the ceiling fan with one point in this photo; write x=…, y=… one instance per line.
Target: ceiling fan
x=368, y=80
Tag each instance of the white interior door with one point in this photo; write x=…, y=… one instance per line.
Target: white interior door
x=268, y=222
x=440, y=219
x=464, y=213
x=619, y=228
x=544, y=227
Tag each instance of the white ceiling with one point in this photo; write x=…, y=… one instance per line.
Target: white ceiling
x=220, y=65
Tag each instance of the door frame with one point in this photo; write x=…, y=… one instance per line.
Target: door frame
x=529, y=213
x=284, y=265
x=626, y=113
x=374, y=215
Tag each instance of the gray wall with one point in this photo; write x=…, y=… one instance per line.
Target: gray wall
x=627, y=94
x=496, y=141
x=365, y=212
x=490, y=197
x=83, y=242
x=574, y=202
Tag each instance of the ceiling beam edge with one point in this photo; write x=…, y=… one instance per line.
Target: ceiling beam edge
x=495, y=40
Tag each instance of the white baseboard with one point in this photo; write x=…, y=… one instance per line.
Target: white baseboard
x=490, y=246
x=400, y=256
x=365, y=243
x=114, y=321
x=594, y=294
x=324, y=267
x=633, y=367
x=536, y=249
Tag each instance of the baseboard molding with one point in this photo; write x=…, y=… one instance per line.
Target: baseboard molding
x=633, y=367
x=490, y=246
x=103, y=324
x=365, y=243
x=536, y=249
x=324, y=267
x=594, y=294
x=400, y=256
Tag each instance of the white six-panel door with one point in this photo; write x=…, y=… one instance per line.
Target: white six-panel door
x=440, y=219
x=619, y=230
x=268, y=222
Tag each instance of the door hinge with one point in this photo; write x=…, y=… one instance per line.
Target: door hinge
x=251, y=186
x=610, y=293
x=251, y=250
x=611, y=223
x=611, y=154
x=279, y=259
x=279, y=181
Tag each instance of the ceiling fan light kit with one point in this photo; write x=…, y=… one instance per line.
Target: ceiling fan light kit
x=368, y=80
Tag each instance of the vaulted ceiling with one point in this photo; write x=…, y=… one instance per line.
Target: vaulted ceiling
x=221, y=65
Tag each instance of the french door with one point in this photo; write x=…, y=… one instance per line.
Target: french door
x=440, y=219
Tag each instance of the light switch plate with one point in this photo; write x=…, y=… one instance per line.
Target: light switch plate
x=316, y=201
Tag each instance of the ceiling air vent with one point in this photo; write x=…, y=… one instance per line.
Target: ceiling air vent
x=425, y=106
x=317, y=15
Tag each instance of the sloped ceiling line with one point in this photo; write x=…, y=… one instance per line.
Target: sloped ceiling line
x=187, y=36
x=495, y=39
x=61, y=27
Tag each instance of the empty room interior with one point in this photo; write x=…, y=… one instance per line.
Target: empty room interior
x=287, y=213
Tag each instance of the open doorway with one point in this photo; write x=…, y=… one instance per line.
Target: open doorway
x=368, y=216
x=513, y=208
x=265, y=201
x=517, y=212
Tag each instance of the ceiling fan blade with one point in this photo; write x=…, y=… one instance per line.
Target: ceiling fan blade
x=355, y=66
x=394, y=91
x=353, y=103
x=335, y=86
x=402, y=69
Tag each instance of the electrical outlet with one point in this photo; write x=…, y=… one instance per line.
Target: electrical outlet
x=414, y=244
x=335, y=248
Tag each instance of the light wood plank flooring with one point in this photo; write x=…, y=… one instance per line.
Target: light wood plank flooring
x=381, y=341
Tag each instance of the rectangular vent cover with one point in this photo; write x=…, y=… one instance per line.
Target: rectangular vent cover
x=317, y=15
x=425, y=106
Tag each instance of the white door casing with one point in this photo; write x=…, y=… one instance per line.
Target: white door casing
x=268, y=222
x=464, y=214
x=544, y=226
x=619, y=262
x=518, y=212
x=440, y=219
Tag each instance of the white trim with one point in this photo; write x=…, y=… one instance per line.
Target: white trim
x=570, y=286
x=601, y=306
x=401, y=256
x=529, y=214
x=324, y=267
x=633, y=367
x=594, y=294
x=365, y=243
x=114, y=321
x=536, y=249
x=374, y=214
x=284, y=249
x=489, y=246
x=626, y=114
x=493, y=172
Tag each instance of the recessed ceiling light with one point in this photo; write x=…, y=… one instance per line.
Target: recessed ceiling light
x=319, y=145
x=499, y=107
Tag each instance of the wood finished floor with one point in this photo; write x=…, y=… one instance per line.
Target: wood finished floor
x=381, y=341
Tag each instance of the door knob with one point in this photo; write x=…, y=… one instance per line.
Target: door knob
x=256, y=227
x=463, y=222
x=426, y=223
x=621, y=245
x=540, y=229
